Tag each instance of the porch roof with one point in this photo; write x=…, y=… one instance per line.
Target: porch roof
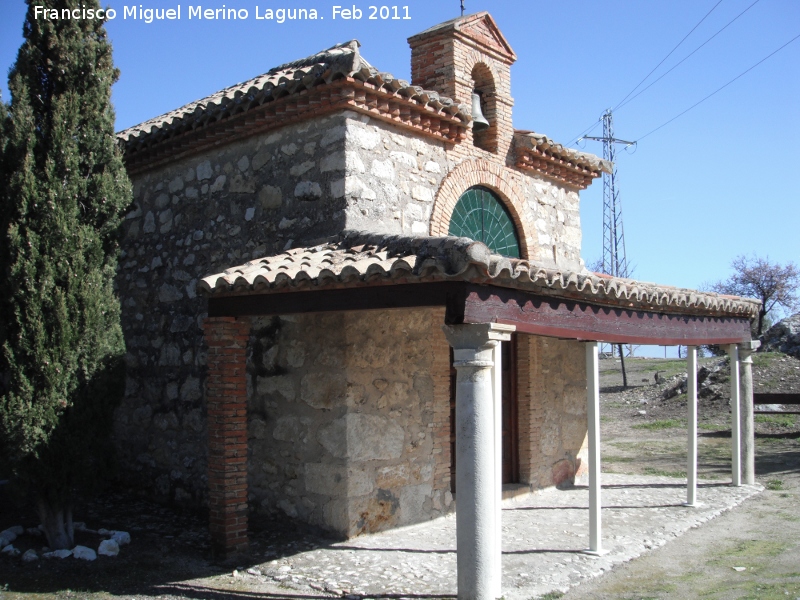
x=359, y=259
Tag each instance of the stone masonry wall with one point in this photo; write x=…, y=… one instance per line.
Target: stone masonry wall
x=343, y=428
x=392, y=177
x=194, y=217
x=552, y=410
x=400, y=183
x=215, y=210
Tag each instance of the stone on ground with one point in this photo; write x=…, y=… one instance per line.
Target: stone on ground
x=121, y=537
x=9, y=535
x=784, y=337
x=30, y=556
x=108, y=548
x=58, y=554
x=84, y=553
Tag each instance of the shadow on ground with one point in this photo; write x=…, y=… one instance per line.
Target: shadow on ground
x=168, y=546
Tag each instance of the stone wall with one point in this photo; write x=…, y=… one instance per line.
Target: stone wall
x=551, y=396
x=392, y=177
x=342, y=418
x=398, y=182
x=197, y=216
x=212, y=211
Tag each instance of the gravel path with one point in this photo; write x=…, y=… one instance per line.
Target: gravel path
x=543, y=539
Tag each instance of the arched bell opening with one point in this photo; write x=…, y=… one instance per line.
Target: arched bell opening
x=484, y=134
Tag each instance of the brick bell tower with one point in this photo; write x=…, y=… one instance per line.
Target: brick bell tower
x=465, y=54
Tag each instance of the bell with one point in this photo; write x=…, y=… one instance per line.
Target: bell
x=479, y=122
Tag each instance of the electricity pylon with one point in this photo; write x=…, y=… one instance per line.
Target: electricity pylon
x=615, y=260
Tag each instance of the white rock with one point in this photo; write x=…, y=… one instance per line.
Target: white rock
x=108, y=548
x=10, y=550
x=16, y=530
x=7, y=536
x=58, y=554
x=739, y=568
x=103, y=531
x=121, y=537
x=30, y=556
x=84, y=553
x=33, y=531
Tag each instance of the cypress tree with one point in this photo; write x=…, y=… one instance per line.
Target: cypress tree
x=63, y=188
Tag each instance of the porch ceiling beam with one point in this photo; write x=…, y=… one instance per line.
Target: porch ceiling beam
x=473, y=303
x=571, y=319
x=371, y=297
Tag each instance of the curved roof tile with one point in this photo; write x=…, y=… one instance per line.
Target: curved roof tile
x=358, y=258
x=337, y=62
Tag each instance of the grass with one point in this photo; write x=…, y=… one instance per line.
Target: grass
x=711, y=426
x=750, y=548
x=775, y=485
x=782, y=420
x=617, y=459
x=763, y=359
x=662, y=473
x=660, y=424
x=670, y=366
x=614, y=405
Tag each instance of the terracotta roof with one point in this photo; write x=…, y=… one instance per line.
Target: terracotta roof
x=359, y=258
x=537, y=152
x=339, y=62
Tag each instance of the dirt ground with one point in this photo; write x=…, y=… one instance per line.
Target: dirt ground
x=750, y=552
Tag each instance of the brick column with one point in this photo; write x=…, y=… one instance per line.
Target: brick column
x=226, y=405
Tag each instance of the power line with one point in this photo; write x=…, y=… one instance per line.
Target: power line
x=596, y=123
x=585, y=131
x=619, y=106
x=668, y=55
x=719, y=89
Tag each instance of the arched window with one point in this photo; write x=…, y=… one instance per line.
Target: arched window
x=480, y=215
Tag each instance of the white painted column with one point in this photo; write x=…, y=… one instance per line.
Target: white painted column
x=476, y=497
x=746, y=350
x=593, y=415
x=497, y=380
x=736, y=430
x=691, y=405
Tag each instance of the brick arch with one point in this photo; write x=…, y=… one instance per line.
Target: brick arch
x=475, y=58
x=490, y=175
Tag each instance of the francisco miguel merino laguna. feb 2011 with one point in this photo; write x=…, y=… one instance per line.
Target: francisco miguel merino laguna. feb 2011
x=223, y=13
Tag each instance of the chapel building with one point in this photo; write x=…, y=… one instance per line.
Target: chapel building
x=305, y=255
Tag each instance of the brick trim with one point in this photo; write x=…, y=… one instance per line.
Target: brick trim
x=226, y=407
x=497, y=178
x=440, y=425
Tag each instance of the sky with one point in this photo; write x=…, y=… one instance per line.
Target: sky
x=718, y=182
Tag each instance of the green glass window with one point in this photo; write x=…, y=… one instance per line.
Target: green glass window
x=480, y=215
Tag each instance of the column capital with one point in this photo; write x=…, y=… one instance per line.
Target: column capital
x=746, y=350
x=477, y=336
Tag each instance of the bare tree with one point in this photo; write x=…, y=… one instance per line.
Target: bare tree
x=774, y=284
